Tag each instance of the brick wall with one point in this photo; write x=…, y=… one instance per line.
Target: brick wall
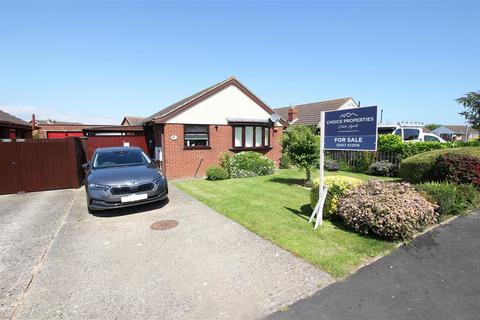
x=180, y=162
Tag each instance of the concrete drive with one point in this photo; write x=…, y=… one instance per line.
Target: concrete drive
x=438, y=277
x=113, y=266
x=28, y=223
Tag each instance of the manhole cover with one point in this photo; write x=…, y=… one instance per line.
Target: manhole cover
x=164, y=225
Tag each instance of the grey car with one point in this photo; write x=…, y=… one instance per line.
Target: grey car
x=121, y=177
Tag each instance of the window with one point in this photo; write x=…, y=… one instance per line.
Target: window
x=238, y=137
x=251, y=137
x=430, y=138
x=398, y=132
x=196, y=136
x=410, y=134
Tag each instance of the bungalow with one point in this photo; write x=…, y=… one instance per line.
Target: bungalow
x=13, y=127
x=309, y=114
x=190, y=135
x=456, y=132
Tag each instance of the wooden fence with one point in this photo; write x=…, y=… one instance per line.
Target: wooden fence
x=43, y=164
x=358, y=158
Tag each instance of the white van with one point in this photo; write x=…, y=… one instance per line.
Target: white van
x=409, y=131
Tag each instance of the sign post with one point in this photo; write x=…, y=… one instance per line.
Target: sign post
x=349, y=129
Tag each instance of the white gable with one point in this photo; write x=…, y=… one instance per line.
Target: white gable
x=348, y=105
x=230, y=102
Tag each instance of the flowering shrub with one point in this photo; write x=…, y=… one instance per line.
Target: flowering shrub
x=383, y=168
x=337, y=187
x=331, y=165
x=216, y=173
x=457, y=169
x=389, y=210
x=251, y=164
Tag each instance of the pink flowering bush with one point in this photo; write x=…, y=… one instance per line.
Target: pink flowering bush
x=389, y=210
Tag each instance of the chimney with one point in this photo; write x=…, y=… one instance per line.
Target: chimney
x=292, y=114
x=33, y=121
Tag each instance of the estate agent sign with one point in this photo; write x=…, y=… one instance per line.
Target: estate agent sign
x=350, y=129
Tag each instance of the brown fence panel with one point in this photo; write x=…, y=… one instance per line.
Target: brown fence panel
x=9, y=171
x=46, y=164
x=94, y=142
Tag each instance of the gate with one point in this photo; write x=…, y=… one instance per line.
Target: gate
x=37, y=165
x=94, y=142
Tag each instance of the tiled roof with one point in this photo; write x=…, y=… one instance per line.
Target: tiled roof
x=132, y=120
x=9, y=119
x=460, y=129
x=59, y=123
x=309, y=113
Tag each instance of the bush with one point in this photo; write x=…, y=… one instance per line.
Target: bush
x=390, y=143
x=451, y=198
x=389, y=210
x=226, y=163
x=331, y=165
x=251, y=164
x=337, y=187
x=457, y=169
x=216, y=173
x=420, y=167
x=383, y=168
x=284, y=161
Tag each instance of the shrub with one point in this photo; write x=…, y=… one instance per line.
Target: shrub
x=337, y=186
x=216, y=173
x=331, y=165
x=284, y=161
x=383, y=168
x=451, y=198
x=226, y=163
x=302, y=145
x=251, y=164
x=390, y=143
x=458, y=169
x=389, y=210
x=419, y=168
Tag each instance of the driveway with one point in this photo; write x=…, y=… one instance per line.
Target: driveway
x=438, y=277
x=114, y=266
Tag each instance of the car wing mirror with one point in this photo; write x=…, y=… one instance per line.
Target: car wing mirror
x=85, y=166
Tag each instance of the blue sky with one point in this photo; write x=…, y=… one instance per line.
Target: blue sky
x=96, y=61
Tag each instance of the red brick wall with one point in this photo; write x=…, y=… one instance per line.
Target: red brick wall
x=181, y=163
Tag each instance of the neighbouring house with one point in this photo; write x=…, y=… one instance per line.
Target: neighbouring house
x=191, y=134
x=132, y=121
x=309, y=113
x=52, y=129
x=456, y=132
x=13, y=127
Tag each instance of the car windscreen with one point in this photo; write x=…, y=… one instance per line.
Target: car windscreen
x=120, y=158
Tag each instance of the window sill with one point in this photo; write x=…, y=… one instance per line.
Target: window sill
x=197, y=148
x=250, y=148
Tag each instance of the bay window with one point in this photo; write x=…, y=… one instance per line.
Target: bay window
x=251, y=137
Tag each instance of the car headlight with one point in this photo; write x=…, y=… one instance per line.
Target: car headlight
x=160, y=180
x=93, y=185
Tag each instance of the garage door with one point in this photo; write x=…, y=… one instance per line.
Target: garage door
x=60, y=135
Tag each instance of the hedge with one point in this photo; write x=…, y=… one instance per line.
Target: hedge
x=419, y=168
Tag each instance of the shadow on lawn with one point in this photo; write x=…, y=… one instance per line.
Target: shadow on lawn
x=304, y=212
x=289, y=181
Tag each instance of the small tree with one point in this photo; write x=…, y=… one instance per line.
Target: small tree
x=432, y=126
x=471, y=103
x=302, y=147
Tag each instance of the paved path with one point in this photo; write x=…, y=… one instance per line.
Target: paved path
x=113, y=266
x=438, y=277
x=28, y=223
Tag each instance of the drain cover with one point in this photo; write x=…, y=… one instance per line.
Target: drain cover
x=164, y=225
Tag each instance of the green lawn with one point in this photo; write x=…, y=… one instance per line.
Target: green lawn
x=277, y=208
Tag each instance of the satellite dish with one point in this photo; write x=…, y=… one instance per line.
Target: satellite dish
x=274, y=117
